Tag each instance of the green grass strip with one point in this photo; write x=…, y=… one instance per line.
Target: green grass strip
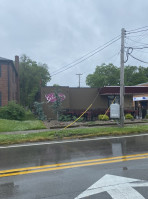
x=13, y=125
x=72, y=133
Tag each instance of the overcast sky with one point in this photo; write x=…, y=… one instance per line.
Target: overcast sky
x=57, y=32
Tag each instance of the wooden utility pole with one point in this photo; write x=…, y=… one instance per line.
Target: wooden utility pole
x=79, y=78
x=122, y=79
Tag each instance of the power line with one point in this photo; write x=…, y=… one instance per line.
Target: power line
x=136, y=31
x=138, y=28
x=139, y=50
x=137, y=47
x=86, y=54
x=137, y=41
x=138, y=59
x=74, y=63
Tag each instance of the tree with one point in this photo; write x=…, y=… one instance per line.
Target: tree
x=135, y=75
x=56, y=85
x=109, y=75
x=32, y=76
x=104, y=75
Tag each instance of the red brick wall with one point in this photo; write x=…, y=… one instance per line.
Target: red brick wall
x=4, y=84
x=12, y=84
x=8, y=68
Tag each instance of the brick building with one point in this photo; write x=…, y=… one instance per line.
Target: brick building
x=9, y=80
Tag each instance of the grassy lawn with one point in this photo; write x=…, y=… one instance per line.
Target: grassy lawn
x=13, y=125
x=72, y=133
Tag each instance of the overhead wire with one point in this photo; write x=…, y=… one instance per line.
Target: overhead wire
x=136, y=41
x=131, y=32
x=85, y=57
x=137, y=47
x=138, y=59
x=138, y=28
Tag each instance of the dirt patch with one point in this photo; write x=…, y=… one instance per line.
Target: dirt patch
x=57, y=124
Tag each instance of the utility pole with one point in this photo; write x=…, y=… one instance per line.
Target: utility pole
x=79, y=78
x=122, y=79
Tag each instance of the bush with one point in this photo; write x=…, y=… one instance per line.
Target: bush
x=128, y=116
x=12, y=111
x=146, y=117
x=29, y=115
x=39, y=111
x=74, y=118
x=81, y=119
x=65, y=118
x=103, y=117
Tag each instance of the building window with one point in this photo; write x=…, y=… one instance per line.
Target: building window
x=113, y=99
x=0, y=99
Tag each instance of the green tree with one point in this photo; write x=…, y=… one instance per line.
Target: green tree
x=109, y=75
x=33, y=75
x=104, y=75
x=135, y=75
x=129, y=73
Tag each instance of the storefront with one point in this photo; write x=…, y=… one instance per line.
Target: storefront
x=135, y=99
x=141, y=105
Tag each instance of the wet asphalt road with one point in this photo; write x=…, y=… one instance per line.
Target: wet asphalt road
x=68, y=183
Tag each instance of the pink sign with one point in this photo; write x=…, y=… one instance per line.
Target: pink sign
x=52, y=98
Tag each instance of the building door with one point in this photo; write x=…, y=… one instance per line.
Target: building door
x=144, y=108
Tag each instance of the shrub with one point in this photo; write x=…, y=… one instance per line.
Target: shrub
x=81, y=119
x=65, y=118
x=29, y=115
x=12, y=111
x=39, y=111
x=146, y=117
x=74, y=118
x=103, y=117
x=128, y=116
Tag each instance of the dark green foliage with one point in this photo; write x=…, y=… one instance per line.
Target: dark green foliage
x=103, y=117
x=32, y=77
x=39, y=111
x=81, y=119
x=146, y=117
x=65, y=118
x=128, y=116
x=12, y=111
x=104, y=75
x=74, y=118
x=109, y=75
x=29, y=116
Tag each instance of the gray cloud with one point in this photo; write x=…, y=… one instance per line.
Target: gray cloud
x=57, y=32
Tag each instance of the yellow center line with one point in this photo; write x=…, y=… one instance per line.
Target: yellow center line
x=74, y=166
x=71, y=163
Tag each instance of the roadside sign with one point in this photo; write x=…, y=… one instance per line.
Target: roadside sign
x=140, y=98
x=116, y=186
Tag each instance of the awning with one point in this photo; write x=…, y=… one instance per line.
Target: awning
x=129, y=90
